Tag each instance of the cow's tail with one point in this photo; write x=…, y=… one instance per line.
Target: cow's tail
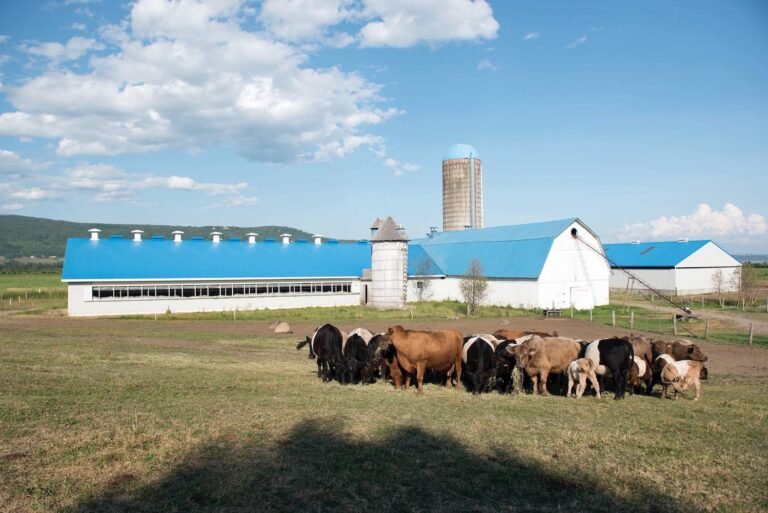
x=301, y=344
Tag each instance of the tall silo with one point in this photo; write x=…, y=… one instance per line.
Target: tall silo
x=462, y=188
x=389, y=266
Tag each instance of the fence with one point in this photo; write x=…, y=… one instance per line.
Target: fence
x=32, y=300
x=696, y=327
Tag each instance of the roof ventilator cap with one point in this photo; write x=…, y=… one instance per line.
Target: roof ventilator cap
x=286, y=238
x=318, y=239
x=94, y=233
x=216, y=237
x=251, y=237
x=682, y=239
x=137, y=235
x=177, y=235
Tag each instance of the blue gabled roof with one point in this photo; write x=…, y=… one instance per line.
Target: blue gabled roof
x=517, y=251
x=651, y=254
x=154, y=259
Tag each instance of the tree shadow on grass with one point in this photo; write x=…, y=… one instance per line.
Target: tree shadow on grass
x=317, y=468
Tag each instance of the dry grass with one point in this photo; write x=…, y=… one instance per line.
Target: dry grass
x=102, y=421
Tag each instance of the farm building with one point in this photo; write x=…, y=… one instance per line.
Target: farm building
x=680, y=267
x=533, y=265
x=537, y=265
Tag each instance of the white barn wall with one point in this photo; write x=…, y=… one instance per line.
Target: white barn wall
x=81, y=304
x=573, y=274
x=660, y=279
x=515, y=293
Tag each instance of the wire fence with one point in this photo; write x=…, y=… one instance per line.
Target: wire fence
x=693, y=327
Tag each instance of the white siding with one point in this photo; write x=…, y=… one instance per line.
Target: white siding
x=573, y=274
x=81, y=304
x=515, y=293
x=660, y=279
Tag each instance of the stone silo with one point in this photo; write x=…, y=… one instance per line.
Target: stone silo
x=462, y=188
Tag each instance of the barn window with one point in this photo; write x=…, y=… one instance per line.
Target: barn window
x=134, y=291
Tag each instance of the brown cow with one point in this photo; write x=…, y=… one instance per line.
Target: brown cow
x=512, y=335
x=681, y=375
x=541, y=356
x=679, y=349
x=418, y=351
x=643, y=348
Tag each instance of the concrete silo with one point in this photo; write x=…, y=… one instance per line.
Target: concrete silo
x=389, y=266
x=462, y=188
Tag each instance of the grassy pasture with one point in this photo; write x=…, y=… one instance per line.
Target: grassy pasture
x=175, y=416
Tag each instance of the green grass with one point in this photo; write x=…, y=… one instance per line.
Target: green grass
x=177, y=416
x=20, y=282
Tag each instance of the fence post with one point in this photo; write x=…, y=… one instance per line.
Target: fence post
x=571, y=311
x=674, y=324
x=631, y=320
x=706, y=329
x=590, y=315
x=751, y=331
x=613, y=318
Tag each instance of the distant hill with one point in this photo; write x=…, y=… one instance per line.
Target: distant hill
x=22, y=236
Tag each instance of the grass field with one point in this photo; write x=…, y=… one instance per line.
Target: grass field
x=15, y=282
x=135, y=416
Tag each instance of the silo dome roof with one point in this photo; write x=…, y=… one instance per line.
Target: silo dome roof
x=460, y=151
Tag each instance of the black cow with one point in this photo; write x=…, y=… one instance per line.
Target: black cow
x=374, y=361
x=505, y=364
x=355, y=356
x=325, y=345
x=614, y=355
x=479, y=362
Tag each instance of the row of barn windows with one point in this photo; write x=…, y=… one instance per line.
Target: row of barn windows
x=218, y=290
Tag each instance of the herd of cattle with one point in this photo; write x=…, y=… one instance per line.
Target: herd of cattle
x=492, y=361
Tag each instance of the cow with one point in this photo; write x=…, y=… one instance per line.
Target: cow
x=539, y=357
x=374, y=361
x=364, y=334
x=512, y=334
x=682, y=374
x=478, y=357
x=659, y=363
x=506, y=358
x=615, y=355
x=325, y=345
x=354, y=359
x=640, y=372
x=679, y=349
x=418, y=351
x=578, y=372
x=643, y=348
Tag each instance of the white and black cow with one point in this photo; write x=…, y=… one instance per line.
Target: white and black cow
x=614, y=355
x=479, y=361
x=325, y=345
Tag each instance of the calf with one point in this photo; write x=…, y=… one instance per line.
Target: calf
x=541, y=356
x=578, y=371
x=505, y=364
x=325, y=345
x=681, y=375
x=615, y=355
x=639, y=372
x=478, y=357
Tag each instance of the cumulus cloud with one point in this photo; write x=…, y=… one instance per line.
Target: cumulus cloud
x=186, y=74
x=11, y=206
x=728, y=225
x=306, y=20
x=33, y=194
x=75, y=48
x=403, y=23
x=14, y=165
x=531, y=35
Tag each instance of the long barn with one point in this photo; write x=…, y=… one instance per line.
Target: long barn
x=538, y=265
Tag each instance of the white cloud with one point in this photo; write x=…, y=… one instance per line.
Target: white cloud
x=33, y=194
x=11, y=206
x=727, y=225
x=78, y=26
x=531, y=35
x=186, y=74
x=486, y=65
x=14, y=165
x=75, y=48
x=305, y=20
x=577, y=42
x=4, y=38
x=403, y=23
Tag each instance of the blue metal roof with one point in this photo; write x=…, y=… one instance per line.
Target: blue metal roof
x=116, y=259
x=517, y=251
x=651, y=254
x=460, y=151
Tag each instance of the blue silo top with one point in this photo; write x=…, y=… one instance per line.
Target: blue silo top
x=460, y=151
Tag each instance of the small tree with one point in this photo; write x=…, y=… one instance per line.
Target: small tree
x=423, y=286
x=474, y=286
x=718, y=281
x=746, y=281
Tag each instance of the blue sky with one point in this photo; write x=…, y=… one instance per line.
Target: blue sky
x=648, y=120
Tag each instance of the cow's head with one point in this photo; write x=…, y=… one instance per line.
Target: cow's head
x=585, y=365
x=695, y=353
